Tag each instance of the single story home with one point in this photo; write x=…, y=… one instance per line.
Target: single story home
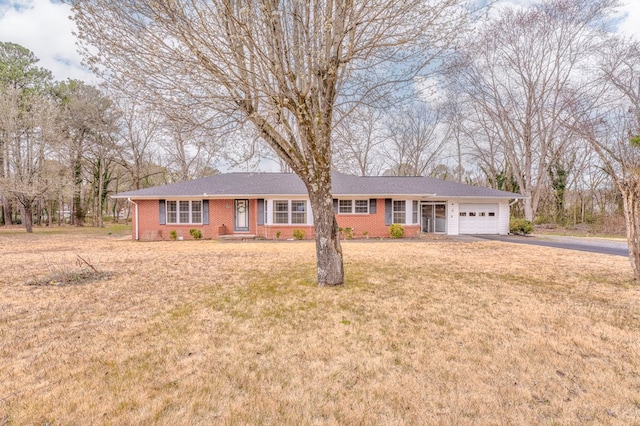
x=273, y=205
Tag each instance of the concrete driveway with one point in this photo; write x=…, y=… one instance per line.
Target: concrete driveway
x=594, y=245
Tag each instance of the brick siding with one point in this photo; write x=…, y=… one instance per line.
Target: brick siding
x=221, y=222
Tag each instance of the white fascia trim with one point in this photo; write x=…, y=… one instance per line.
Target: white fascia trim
x=210, y=196
x=474, y=197
x=398, y=196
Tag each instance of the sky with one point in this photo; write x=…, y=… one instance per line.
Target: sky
x=44, y=27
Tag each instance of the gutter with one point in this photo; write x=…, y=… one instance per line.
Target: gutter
x=137, y=220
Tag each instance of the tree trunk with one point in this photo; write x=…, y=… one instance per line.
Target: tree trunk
x=27, y=216
x=50, y=210
x=6, y=211
x=78, y=211
x=528, y=205
x=99, y=207
x=39, y=213
x=328, y=248
x=630, y=191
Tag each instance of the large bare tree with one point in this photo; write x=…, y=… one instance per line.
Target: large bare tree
x=189, y=151
x=140, y=131
x=416, y=136
x=282, y=65
x=358, y=139
x=525, y=74
x=613, y=129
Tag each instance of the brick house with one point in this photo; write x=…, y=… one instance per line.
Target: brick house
x=273, y=205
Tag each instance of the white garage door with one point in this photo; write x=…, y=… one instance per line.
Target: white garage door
x=478, y=219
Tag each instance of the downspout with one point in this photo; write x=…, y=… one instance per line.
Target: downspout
x=513, y=202
x=136, y=224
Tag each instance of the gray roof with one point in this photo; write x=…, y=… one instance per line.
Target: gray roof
x=252, y=185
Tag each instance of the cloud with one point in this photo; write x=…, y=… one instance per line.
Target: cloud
x=629, y=14
x=631, y=25
x=44, y=27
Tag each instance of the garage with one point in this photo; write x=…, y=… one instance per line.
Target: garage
x=480, y=218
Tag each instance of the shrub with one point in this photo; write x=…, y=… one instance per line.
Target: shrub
x=195, y=233
x=365, y=234
x=520, y=226
x=298, y=234
x=348, y=233
x=396, y=230
x=278, y=233
x=173, y=235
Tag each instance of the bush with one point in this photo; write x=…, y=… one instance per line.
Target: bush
x=195, y=233
x=396, y=230
x=298, y=234
x=520, y=226
x=173, y=235
x=348, y=233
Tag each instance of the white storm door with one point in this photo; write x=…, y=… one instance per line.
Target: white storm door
x=241, y=222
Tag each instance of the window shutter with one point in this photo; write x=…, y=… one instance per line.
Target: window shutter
x=163, y=212
x=335, y=205
x=372, y=206
x=388, y=211
x=260, y=211
x=205, y=212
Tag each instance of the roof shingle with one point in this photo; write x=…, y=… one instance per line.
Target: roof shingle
x=251, y=185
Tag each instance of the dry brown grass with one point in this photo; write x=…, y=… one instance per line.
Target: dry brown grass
x=201, y=332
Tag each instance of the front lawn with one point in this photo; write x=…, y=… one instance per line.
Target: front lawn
x=202, y=332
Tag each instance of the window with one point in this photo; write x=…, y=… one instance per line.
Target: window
x=399, y=211
x=281, y=211
x=492, y=214
x=298, y=212
x=196, y=212
x=482, y=214
x=362, y=206
x=345, y=206
x=186, y=212
x=463, y=214
x=172, y=210
x=472, y=214
x=415, y=211
x=289, y=212
x=353, y=206
x=183, y=211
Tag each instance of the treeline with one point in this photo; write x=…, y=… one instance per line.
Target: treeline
x=66, y=146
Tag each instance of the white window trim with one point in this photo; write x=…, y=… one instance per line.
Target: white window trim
x=178, y=222
x=340, y=206
x=353, y=205
x=407, y=212
x=274, y=212
x=270, y=211
x=291, y=212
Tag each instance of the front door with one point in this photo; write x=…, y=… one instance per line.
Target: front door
x=434, y=218
x=241, y=221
